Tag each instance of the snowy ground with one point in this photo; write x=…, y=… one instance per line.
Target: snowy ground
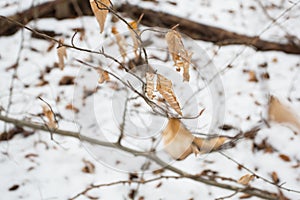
x=37, y=168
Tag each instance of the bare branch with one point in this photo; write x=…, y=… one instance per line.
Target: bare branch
x=150, y=155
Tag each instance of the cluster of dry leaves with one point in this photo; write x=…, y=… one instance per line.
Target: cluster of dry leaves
x=178, y=140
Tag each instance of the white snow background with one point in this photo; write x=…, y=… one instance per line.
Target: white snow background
x=55, y=171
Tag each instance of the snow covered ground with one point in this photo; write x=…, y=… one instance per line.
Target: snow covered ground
x=37, y=168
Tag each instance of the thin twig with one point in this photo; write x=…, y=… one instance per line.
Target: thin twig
x=129, y=182
x=151, y=155
x=128, y=24
x=258, y=176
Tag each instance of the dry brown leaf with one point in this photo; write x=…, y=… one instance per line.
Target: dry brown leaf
x=61, y=53
x=178, y=141
x=150, y=85
x=133, y=36
x=67, y=80
x=51, y=123
x=121, y=42
x=89, y=167
x=175, y=44
x=285, y=157
x=100, y=11
x=246, y=179
x=72, y=107
x=208, y=145
x=103, y=76
x=280, y=113
x=252, y=76
x=164, y=87
x=275, y=177
x=180, y=55
x=186, y=66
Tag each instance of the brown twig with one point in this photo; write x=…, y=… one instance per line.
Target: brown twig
x=258, y=176
x=129, y=182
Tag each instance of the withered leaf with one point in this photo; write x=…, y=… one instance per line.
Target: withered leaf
x=179, y=142
x=100, y=11
x=158, y=185
x=180, y=55
x=280, y=113
x=14, y=187
x=285, y=157
x=47, y=112
x=175, y=44
x=103, y=76
x=133, y=36
x=246, y=179
x=150, y=85
x=252, y=76
x=72, y=107
x=164, y=87
x=207, y=145
x=186, y=66
x=61, y=53
x=89, y=167
x=121, y=42
x=275, y=177
x=67, y=80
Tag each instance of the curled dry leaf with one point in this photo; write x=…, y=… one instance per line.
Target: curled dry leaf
x=180, y=55
x=212, y=144
x=246, y=179
x=175, y=44
x=100, y=11
x=150, y=85
x=252, y=76
x=121, y=42
x=47, y=112
x=186, y=66
x=103, y=76
x=280, y=113
x=164, y=87
x=61, y=53
x=89, y=167
x=179, y=142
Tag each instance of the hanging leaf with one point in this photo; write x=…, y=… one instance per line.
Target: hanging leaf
x=244, y=180
x=175, y=44
x=103, y=76
x=150, y=85
x=280, y=113
x=186, y=66
x=61, y=53
x=164, y=87
x=178, y=141
x=180, y=55
x=100, y=11
x=133, y=36
x=121, y=42
x=275, y=177
x=208, y=145
x=47, y=112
